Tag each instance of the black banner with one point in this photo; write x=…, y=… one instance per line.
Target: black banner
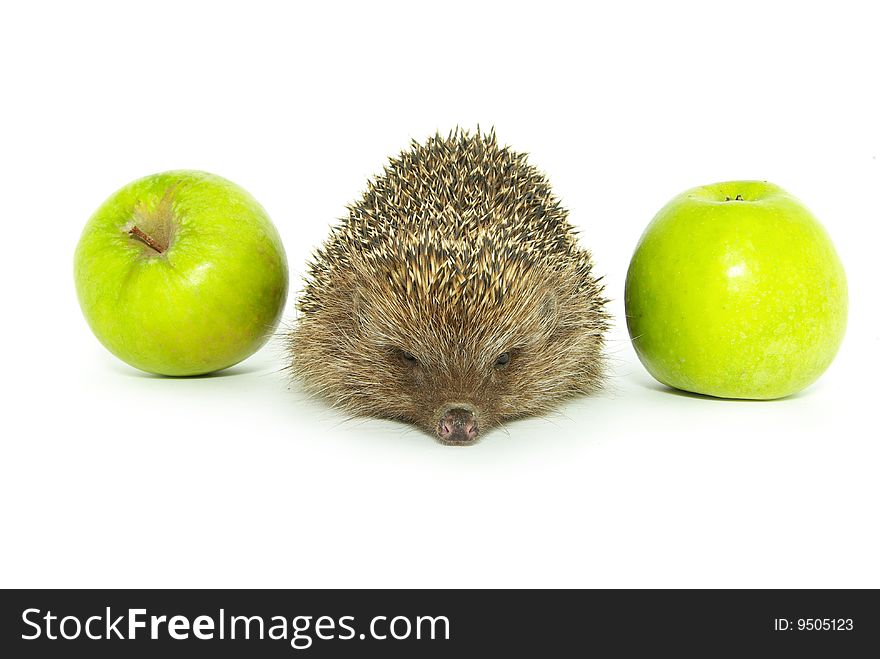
x=436, y=623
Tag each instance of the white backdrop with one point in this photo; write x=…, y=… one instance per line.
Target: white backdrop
x=109, y=477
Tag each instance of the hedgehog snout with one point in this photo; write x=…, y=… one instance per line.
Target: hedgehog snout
x=458, y=425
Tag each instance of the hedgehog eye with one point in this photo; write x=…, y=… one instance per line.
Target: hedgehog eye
x=503, y=358
x=408, y=356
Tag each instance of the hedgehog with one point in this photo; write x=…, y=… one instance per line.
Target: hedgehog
x=453, y=297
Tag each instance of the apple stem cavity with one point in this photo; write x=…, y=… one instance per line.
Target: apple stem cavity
x=138, y=234
x=154, y=227
x=738, y=197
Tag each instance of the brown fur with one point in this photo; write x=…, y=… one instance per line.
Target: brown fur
x=458, y=253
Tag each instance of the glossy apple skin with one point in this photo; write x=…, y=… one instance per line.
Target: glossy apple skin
x=207, y=302
x=736, y=299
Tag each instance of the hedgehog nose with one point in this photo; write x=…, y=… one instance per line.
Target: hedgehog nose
x=458, y=425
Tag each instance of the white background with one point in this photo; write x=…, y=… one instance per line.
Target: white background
x=109, y=477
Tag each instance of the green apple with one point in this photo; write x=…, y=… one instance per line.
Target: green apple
x=181, y=273
x=735, y=290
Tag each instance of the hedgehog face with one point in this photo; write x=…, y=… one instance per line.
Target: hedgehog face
x=457, y=396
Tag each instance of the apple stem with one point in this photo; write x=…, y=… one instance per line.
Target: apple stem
x=147, y=239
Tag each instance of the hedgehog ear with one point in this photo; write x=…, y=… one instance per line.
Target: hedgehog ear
x=549, y=311
x=358, y=306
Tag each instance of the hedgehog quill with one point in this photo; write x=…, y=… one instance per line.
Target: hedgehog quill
x=453, y=297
